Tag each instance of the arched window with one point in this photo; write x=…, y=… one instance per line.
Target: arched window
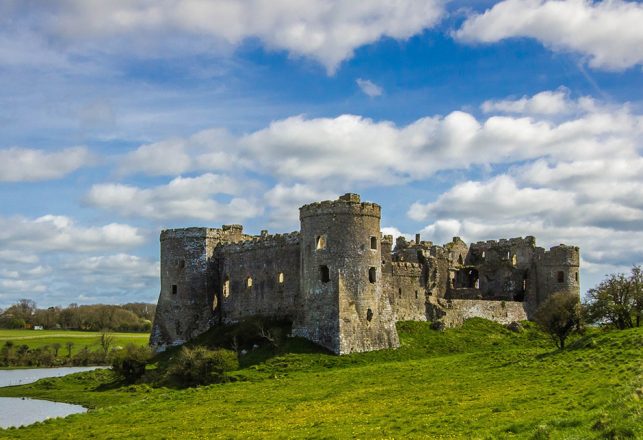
x=249, y=282
x=373, y=242
x=280, y=278
x=320, y=242
x=324, y=274
x=372, y=275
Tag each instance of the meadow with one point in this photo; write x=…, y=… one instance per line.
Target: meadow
x=80, y=339
x=478, y=381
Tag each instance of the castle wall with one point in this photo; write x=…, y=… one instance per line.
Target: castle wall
x=271, y=265
x=453, y=312
x=406, y=292
x=557, y=270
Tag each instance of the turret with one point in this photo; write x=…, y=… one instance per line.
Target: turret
x=557, y=271
x=343, y=304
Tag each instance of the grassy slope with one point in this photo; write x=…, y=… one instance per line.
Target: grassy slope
x=479, y=381
x=38, y=338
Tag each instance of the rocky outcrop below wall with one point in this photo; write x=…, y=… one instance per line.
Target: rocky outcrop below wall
x=453, y=312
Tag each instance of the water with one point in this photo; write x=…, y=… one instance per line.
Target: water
x=29, y=375
x=18, y=411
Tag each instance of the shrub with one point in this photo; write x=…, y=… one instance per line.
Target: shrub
x=200, y=366
x=130, y=362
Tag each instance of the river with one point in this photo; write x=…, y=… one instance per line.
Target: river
x=17, y=411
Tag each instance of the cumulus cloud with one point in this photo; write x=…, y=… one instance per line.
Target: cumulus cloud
x=607, y=32
x=29, y=165
x=284, y=202
x=543, y=103
x=181, y=198
x=327, y=31
x=369, y=87
x=52, y=233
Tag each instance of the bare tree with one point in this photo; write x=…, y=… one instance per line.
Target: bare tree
x=106, y=340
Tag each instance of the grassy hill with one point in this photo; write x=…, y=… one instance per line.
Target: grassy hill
x=478, y=381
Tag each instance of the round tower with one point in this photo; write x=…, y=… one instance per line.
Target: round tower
x=557, y=271
x=343, y=304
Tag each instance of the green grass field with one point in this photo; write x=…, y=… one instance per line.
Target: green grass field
x=479, y=381
x=39, y=338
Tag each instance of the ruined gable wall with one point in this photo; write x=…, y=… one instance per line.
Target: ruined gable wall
x=453, y=312
x=263, y=260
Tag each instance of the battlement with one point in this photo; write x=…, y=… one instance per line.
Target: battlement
x=406, y=269
x=561, y=255
x=187, y=233
x=527, y=241
x=260, y=242
x=347, y=204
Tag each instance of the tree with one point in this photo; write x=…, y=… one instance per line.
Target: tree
x=559, y=316
x=69, y=346
x=56, y=347
x=617, y=300
x=106, y=341
x=130, y=362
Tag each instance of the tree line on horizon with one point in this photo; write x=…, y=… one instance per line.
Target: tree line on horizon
x=131, y=317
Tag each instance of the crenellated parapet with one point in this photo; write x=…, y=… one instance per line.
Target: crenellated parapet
x=260, y=242
x=348, y=204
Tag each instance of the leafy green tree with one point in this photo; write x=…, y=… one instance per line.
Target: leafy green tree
x=129, y=362
x=559, y=316
x=199, y=366
x=617, y=300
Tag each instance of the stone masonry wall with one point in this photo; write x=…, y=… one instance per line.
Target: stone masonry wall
x=453, y=312
x=272, y=265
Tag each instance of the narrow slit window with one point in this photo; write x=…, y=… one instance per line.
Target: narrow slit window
x=561, y=276
x=324, y=274
x=399, y=292
x=280, y=278
x=372, y=275
x=320, y=242
x=576, y=276
x=416, y=294
x=226, y=287
x=249, y=282
x=175, y=289
x=373, y=242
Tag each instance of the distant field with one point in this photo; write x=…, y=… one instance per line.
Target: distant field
x=39, y=338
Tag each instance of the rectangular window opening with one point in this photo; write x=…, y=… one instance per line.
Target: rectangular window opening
x=373, y=242
x=324, y=274
x=175, y=289
x=372, y=275
x=561, y=276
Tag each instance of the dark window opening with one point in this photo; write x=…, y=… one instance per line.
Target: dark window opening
x=369, y=315
x=399, y=292
x=561, y=276
x=181, y=264
x=416, y=294
x=324, y=274
x=460, y=261
x=467, y=278
x=576, y=276
x=175, y=289
x=373, y=242
x=372, y=275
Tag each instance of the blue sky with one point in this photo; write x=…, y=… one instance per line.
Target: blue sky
x=479, y=119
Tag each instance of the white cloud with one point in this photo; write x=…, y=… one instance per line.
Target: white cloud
x=369, y=87
x=608, y=32
x=543, y=103
x=183, y=197
x=328, y=31
x=28, y=165
x=51, y=233
x=284, y=202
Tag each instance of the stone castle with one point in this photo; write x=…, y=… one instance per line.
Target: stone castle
x=343, y=284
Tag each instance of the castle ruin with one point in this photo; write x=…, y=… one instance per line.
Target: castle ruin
x=343, y=284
